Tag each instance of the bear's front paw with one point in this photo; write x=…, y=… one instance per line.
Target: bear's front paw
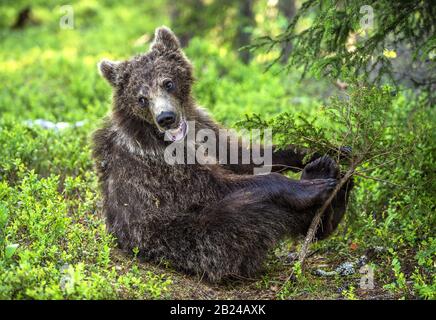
x=345, y=153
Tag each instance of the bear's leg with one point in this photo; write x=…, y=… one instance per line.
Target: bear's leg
x=231, y=237
x=323, y=168
x=291, y=194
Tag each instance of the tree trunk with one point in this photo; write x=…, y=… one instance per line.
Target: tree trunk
x=23, y=18
x=288, y=9
x=186, y=19
x=243, y=34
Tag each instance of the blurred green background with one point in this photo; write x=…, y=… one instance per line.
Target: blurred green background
x=49, y=72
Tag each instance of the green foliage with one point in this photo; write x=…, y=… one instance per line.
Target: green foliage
x=391, y=131
x=53, y=243
x=360, y=120
x=349, y=293
x=356, y=34
x=393, y=202
x=231, y=89
x=400, y=280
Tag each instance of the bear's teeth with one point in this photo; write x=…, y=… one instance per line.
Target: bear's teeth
x=179, y=133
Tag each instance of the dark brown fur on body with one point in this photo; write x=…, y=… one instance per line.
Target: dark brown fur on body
x=209, y=220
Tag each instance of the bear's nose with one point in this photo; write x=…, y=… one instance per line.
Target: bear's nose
x=166, y=119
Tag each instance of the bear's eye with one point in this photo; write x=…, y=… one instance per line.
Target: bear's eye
x=143, y=102
x=169, y=85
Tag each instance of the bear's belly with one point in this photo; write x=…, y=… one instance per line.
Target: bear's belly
x=157, y=187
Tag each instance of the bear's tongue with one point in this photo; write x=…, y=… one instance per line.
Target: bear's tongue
x=179, y=133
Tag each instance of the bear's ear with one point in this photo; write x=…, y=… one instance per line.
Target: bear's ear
x=165, y=40
x=109, y=70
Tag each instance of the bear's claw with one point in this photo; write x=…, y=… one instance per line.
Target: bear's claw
x=321, y=168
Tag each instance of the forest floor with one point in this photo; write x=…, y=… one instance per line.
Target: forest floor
x=270, y=284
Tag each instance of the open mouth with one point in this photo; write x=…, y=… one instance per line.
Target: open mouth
x=178, y=133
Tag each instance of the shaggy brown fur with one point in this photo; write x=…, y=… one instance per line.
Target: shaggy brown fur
x=210, y=220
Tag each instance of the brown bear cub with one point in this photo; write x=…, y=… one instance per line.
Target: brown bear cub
x=213, y=220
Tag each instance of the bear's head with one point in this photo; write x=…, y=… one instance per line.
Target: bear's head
x=155, y=87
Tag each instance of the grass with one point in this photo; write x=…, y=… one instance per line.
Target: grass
x=53, y=242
